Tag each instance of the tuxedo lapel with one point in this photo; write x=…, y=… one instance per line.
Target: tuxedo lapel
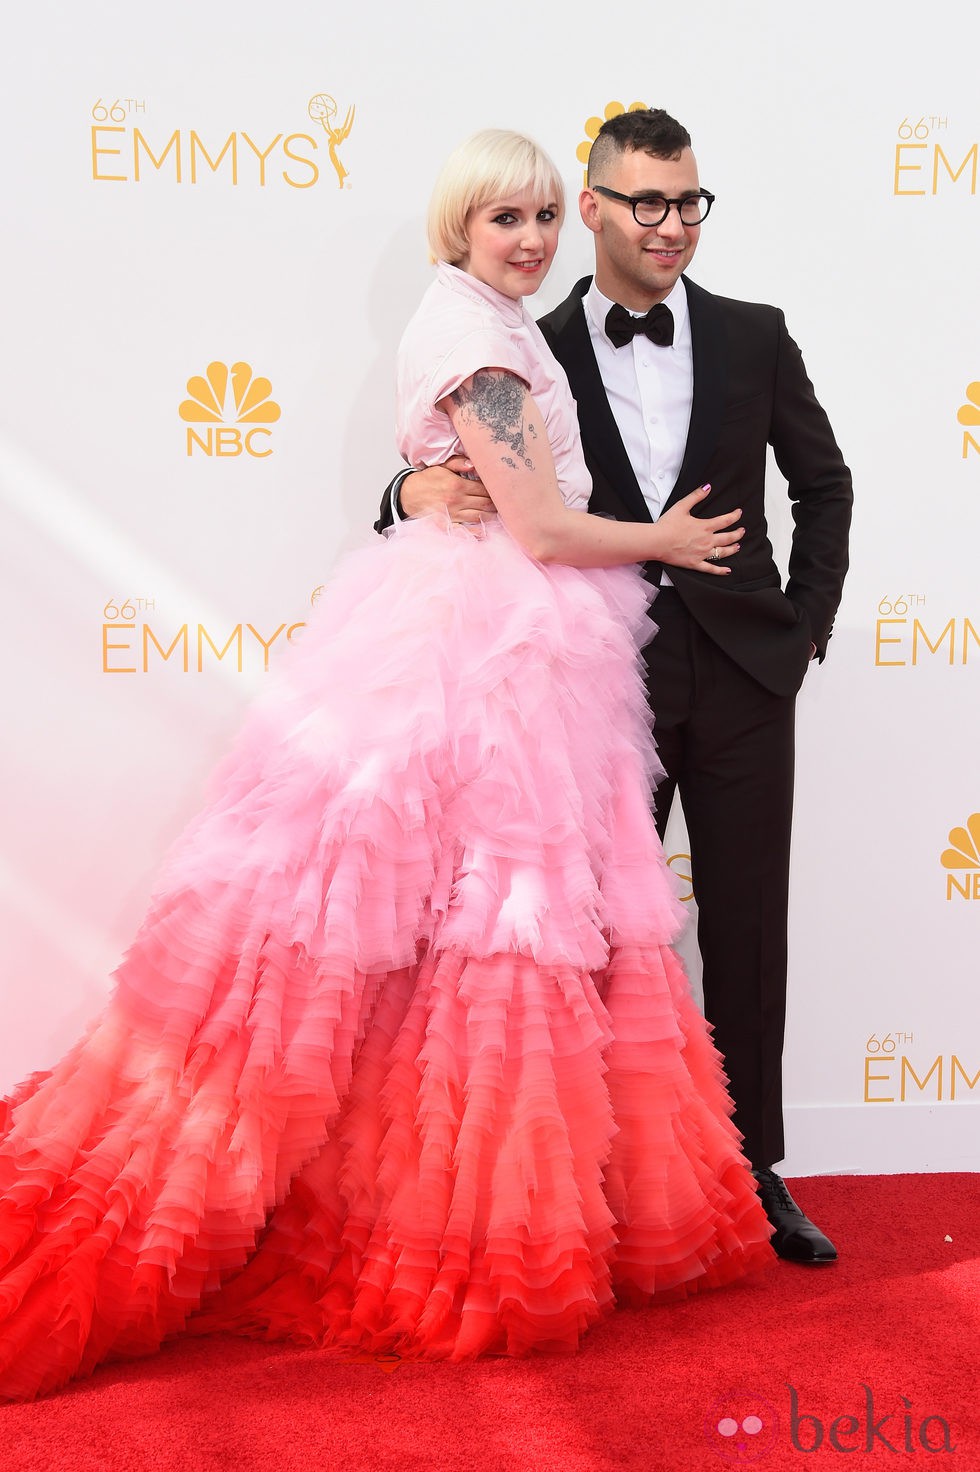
x=567, y=334
x=710, y=384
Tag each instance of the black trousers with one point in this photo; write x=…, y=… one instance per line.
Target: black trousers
x=727, y=745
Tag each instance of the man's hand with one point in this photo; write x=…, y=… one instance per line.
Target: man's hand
x=452, y=487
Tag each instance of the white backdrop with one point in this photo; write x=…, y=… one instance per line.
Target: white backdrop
x=171, y=202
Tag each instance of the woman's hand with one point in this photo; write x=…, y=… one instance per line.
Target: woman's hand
x=698, y=542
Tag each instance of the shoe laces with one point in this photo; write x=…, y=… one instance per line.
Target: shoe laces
x=777, y=1186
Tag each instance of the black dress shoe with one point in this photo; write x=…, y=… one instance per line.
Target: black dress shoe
x=796, y=1238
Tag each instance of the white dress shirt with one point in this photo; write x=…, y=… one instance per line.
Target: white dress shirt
x=650, y=391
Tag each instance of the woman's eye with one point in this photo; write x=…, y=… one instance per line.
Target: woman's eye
x=546, y=215
x=504, y=219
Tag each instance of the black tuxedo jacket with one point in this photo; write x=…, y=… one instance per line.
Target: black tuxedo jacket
x=750, y=390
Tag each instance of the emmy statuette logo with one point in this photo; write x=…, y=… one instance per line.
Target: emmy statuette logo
x=323, y=110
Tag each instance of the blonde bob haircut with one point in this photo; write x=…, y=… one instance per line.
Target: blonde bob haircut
x=493, y=164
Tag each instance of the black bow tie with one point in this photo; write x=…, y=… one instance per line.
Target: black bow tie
x=657, y=325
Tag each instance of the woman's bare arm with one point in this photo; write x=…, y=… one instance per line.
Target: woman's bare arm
x=502, y=432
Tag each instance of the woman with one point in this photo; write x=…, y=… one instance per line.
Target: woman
x=400, y=1058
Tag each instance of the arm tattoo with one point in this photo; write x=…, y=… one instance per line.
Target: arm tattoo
x=496, y=399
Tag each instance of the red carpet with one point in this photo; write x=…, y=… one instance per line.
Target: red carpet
x=880, y=1352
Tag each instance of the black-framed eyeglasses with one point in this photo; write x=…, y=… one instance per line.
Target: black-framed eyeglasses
x=653, y=209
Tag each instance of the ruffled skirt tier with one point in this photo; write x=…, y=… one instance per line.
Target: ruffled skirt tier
x=400, y=1058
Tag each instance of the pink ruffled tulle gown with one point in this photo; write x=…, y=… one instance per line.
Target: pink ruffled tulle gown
x=400, y=1058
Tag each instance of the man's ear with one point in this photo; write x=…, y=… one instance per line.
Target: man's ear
x=588, y=208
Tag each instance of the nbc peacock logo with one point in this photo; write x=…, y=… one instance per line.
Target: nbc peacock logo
x=968, y=415
x=233, y=408
x=962, y=860
x=592, y=126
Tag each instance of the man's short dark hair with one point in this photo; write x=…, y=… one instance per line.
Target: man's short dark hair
x=648, y=130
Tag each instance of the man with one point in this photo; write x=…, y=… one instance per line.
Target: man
x=677, y=388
